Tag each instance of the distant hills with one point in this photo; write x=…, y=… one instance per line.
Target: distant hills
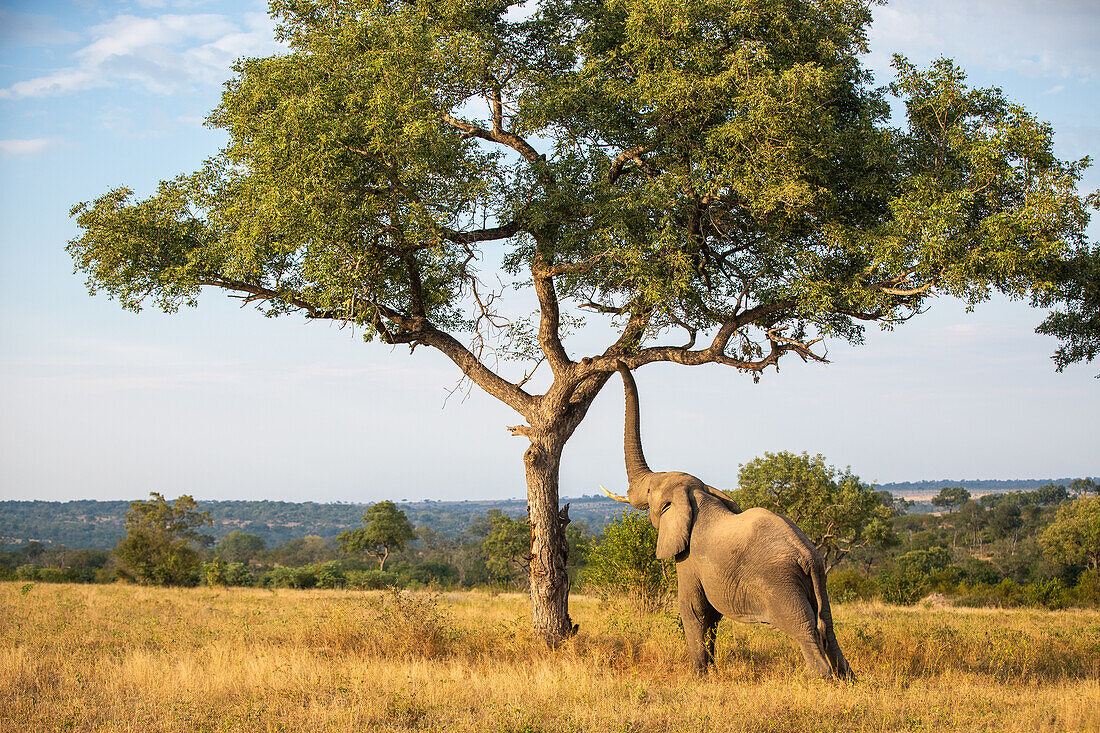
x=100, y=524
x=928, y=489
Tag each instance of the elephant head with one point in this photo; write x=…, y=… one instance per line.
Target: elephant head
x=666, y=495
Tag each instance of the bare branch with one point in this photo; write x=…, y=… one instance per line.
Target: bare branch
x=414, y=330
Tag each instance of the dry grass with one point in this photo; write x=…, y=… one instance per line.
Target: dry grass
x=126, y=658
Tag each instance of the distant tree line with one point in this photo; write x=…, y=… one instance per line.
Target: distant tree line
x=90, y=524
x=1027, y=547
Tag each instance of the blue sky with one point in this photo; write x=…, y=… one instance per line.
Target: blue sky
x=220, y=403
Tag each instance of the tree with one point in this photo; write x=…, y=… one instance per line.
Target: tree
x=951, y=498
x=506, y=546
x=1050, y=494
x=837, y=511
x=240, y=547
x=1073, y=538
x=161, y=540
x=974, y=517
x=385, y=529
x=301, y=551
x=1005, y=519
x=624, y=560
x=719, y=179
x=1084, y=486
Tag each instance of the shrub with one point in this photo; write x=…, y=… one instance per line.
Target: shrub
x=430, y=572
x=219, y=572
x=624, y=560
x=213, y=572
x=1087, y=590
x=284, y=577
x=902, y=587
x=371, y=579
x=848, y=584
x=329, y=575
x=1046, y=593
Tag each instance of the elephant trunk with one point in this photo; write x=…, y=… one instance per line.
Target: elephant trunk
x=636, y=467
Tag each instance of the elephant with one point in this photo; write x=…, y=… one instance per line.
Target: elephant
x=755, y=565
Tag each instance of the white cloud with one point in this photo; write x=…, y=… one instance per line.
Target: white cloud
x=162, y=54
x=1028, y=36
x=64, y=81
x=25, y=147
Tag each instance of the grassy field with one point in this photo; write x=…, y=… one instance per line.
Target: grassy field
x=128, y=658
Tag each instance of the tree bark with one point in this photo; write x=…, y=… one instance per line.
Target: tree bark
x=549, y=581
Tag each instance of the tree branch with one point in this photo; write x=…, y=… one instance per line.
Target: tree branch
x=504, y=137
x=505, y=231
x=550, y=318
x=635, y=154
x=415, y=329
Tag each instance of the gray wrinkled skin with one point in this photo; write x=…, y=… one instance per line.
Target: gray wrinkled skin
x=754, y=566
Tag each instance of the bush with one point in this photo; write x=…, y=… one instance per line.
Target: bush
x=980, y=571
x=1087, y=590
x=430, y=572
x=371, y=579
x=219, y=572
x=329, y=575
x=902, y=587
x=284, y=577
x=1046, y=594
x=624, y=560
x=847, y=585
x=56, y=575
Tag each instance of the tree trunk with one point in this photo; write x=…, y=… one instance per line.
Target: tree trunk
x=549, y=584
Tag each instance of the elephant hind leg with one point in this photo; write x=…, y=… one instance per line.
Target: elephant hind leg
x=803, y=629
x=813, y=653
x=836, y=657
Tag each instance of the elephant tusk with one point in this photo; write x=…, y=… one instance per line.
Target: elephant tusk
x=616, y=497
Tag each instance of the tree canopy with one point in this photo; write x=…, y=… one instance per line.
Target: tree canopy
x=385, y=529
x=951, y=498
x=161, y=539
x=836, y=510
x=1073, y=537
x=721, y=180
x=506, y=546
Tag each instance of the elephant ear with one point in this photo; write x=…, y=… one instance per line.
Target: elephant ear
x=674, y=524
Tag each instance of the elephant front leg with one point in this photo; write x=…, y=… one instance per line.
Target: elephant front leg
x=700, y=621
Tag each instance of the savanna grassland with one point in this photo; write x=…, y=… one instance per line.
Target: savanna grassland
x=132, y=658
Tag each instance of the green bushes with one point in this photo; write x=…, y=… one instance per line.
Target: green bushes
x=847, y=585
x=373, y=579
x=219, y=572
x=624, y=561
x=334, y=574
x=905, y=586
